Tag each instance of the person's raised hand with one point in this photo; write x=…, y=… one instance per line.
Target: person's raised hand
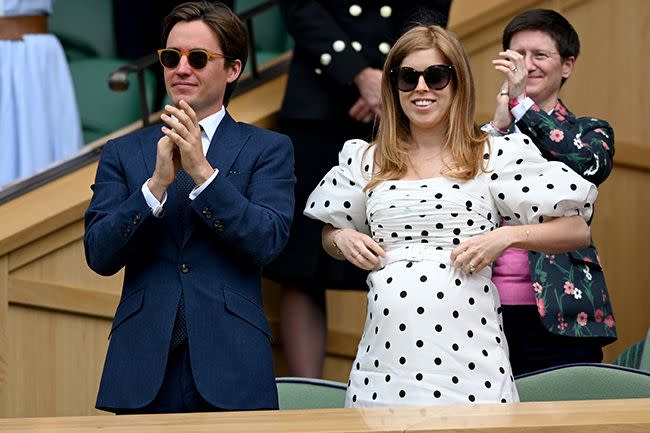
x=168, y=162
x=183, y=129
x=512, y=64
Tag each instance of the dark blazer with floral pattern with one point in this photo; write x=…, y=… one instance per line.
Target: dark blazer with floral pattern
x=572, y=297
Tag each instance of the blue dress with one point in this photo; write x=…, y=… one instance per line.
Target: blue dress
x=39, y=122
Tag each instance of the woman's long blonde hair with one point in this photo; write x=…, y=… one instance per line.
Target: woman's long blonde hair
x=463, y=137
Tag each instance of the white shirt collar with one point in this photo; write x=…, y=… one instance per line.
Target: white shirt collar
x=209, y=126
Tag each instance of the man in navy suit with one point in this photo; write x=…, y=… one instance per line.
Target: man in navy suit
x=192, y=211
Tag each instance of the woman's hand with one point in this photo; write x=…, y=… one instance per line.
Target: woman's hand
x=502, y=115
x=480, y=251
x=513, y=66
x=357, y=248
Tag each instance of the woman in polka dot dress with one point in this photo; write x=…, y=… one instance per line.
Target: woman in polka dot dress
x=419, y=207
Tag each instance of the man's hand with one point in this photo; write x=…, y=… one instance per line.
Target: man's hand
x=185, y=133
x=361, y=111
x=368, y=81
x=168, y=162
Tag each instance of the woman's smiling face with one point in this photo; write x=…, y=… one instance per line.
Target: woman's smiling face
x=426, y=108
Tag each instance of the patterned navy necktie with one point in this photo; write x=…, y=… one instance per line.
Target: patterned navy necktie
x=184, y=185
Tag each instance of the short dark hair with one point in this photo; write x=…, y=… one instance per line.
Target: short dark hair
x=231, y=32
x=550, y=22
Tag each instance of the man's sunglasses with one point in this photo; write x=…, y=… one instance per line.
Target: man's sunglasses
x=436, y=76
x=197, y=58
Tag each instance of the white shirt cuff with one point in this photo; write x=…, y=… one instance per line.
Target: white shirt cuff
x=200, y=188
x=490, y=130
x=519, y=111
x=153, y=203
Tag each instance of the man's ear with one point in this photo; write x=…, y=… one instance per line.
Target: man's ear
x=567, y=66
x=234, y=70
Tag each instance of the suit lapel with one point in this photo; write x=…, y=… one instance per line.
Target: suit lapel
x=226, y=143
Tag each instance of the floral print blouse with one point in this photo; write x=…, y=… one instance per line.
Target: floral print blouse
x=572, y=297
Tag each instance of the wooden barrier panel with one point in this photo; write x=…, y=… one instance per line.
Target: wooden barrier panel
x=604, y=416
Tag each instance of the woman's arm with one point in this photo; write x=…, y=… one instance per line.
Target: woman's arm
x=348, y=244
x=552, y=236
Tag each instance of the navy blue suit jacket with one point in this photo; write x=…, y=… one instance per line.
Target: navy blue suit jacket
x=238, y=223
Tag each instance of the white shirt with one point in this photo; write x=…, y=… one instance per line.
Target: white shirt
x=209, y=126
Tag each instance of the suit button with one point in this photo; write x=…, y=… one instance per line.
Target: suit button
x=217, y=225
x=136, y=218
x=126, y=231
x=207, y=212
x=184, y=268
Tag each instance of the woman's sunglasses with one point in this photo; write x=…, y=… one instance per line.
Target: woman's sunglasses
x=197, y=58
x=436, y=76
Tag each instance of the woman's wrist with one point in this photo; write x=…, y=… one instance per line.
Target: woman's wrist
x=498, y=129
x=518, y=236
x=516, y=100
x=334, y=243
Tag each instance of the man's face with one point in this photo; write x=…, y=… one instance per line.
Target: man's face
x=203, y=89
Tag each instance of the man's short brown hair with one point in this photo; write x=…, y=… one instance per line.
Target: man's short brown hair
x=231, y=32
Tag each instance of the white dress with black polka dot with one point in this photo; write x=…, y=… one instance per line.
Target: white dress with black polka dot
x=433, y=334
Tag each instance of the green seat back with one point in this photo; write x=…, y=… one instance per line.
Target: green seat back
x=84, y=27
x=584, y=382
x=270, y=32
x=307, y=393
x=636, y=356
x=103, y=111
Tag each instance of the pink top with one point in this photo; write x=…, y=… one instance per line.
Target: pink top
x=511, y=275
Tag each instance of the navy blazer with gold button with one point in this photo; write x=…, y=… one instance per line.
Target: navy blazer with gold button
x=238, y=223
x=335, y=40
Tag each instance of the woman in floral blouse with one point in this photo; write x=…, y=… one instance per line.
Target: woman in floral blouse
x=556, y=308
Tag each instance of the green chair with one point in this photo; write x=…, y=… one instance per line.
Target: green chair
x=103, y=111
x=636, y=356
x=583, y=382
x=270, y=33
x=307, y=393
x=85, y=29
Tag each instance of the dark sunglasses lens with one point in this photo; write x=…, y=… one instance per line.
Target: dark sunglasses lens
x=197, y=59
x=407, y=79
x=436, y=78
x=169, y=58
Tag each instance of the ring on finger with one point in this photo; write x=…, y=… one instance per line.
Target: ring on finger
x=503, y=92
x=472, y=267
x=514, y=69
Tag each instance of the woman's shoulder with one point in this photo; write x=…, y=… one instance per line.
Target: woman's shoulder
x=509, y=147
x=357, y=149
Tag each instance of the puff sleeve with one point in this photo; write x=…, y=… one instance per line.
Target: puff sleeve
x=339, y=198
x=527, y=188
